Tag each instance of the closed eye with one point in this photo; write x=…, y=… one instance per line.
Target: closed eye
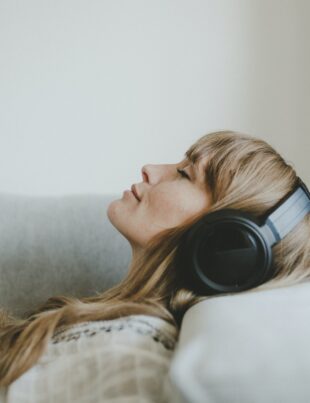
x=183, y=173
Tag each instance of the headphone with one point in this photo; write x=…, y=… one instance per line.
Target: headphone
x=230, y=250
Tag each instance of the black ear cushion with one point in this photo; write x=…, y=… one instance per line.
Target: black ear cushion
x=225, y=251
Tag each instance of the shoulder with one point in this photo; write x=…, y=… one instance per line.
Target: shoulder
x=124, y=358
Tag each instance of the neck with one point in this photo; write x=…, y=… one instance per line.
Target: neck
x=137, y=252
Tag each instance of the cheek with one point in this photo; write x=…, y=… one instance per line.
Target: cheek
x=170, y=208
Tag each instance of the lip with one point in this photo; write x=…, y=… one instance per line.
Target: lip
x=134, y=191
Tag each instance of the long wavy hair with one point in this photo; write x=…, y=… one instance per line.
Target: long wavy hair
x=241, y=172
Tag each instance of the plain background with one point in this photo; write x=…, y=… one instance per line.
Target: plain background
x=91, y=90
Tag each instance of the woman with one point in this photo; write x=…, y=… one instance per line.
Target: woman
x=221, y=170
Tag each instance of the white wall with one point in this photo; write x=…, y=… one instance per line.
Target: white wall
x=91, y=90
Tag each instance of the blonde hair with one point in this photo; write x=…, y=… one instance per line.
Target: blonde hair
x=241, y=172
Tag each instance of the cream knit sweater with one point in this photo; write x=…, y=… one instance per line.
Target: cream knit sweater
x=121, y=361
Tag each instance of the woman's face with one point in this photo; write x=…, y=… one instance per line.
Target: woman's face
x=167, y=199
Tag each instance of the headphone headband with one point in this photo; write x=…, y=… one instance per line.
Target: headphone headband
x=290, y=212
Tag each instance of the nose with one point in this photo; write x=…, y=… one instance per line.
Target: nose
x=151, y=173
x=145, y=174
x=154, y=173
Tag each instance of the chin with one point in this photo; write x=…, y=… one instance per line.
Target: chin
x=112, y=212
x=116, y=216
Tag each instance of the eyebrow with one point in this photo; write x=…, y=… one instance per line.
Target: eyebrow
x=193, y=170
x=193, y=167
x=196, y=174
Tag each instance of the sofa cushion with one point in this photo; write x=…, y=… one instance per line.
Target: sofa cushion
x=251, y=347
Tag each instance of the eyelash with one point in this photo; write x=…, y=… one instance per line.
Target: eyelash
x=183, y=173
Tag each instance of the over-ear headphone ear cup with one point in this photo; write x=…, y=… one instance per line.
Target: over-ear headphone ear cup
x=225, y=251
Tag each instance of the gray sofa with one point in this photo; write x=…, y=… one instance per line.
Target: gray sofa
x=61, y=245
x=246, y=348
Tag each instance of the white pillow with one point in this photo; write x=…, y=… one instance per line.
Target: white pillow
x=245, y=348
